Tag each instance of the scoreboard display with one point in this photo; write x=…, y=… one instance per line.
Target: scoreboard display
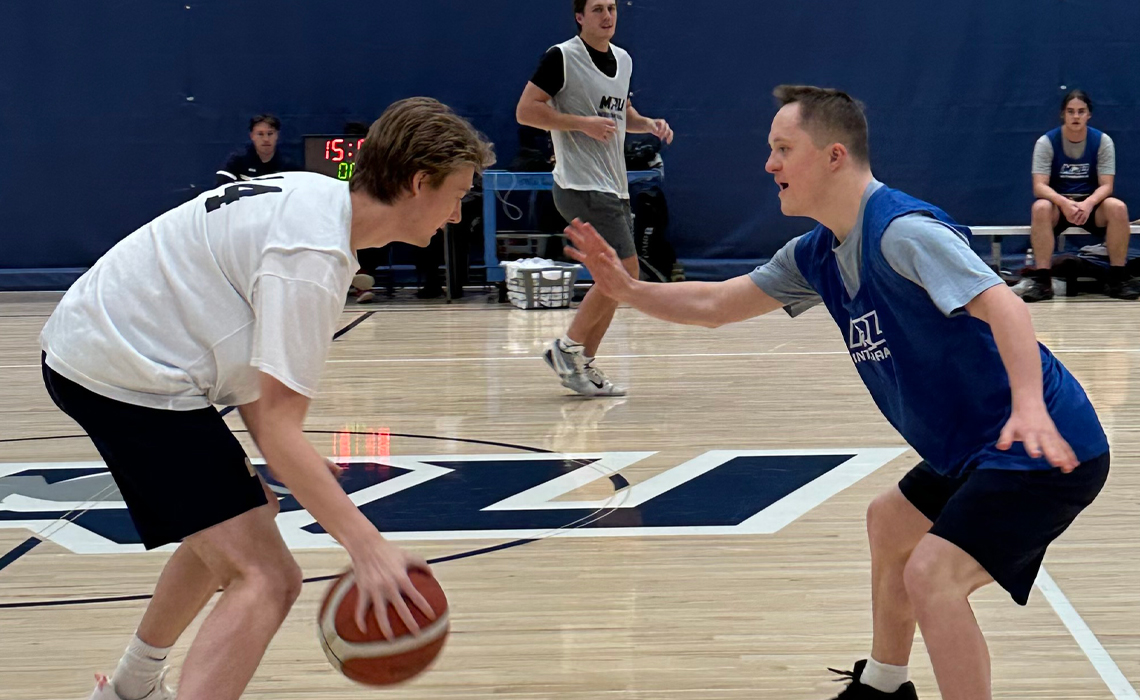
x=332, y=155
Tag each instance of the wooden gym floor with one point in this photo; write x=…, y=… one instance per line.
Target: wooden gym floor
x=722, y=579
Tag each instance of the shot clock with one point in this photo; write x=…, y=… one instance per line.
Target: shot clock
x=332, y=155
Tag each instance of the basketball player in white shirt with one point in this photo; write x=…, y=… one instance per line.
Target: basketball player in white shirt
x=232, y=299
x=580, y=94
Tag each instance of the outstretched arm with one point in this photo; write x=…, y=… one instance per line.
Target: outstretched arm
x=709, y=304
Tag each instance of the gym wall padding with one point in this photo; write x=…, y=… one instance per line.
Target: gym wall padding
x=113, y=112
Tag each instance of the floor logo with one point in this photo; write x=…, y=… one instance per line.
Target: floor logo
x=456, y=497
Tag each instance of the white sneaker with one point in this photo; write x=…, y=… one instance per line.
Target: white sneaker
x=363, y=282
x=596, y=383
x=565, y=364
x=105, y=689
x=577, y=374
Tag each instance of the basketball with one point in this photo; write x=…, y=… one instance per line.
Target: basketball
x=365, y=656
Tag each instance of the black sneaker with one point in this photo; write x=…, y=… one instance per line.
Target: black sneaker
x=1124, y=289
x=1036, y=290
x=857, y=691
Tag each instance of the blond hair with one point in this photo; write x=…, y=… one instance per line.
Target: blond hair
x=417, y=134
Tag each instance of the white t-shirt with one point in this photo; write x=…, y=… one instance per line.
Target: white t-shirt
x=186, y=310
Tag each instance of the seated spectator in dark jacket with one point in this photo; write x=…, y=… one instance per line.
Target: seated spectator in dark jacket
x=261, y=156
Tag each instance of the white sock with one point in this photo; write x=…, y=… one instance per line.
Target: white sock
x=569, y=345
x=883, y=677
x=137, y=673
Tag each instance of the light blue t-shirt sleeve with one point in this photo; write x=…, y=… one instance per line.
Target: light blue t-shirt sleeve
x=1106, y=156
x=780, y=278
x=938, y=259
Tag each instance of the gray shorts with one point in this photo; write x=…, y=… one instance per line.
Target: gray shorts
x=608, y=213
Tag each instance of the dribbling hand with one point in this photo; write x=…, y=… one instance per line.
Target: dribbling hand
x=381, y=579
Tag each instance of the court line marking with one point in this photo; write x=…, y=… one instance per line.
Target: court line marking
x=680, y=355
x=1109, y=672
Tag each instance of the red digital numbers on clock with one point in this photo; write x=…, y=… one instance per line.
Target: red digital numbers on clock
x=338, y=150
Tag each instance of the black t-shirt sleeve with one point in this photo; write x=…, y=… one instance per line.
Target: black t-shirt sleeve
x=550, y=75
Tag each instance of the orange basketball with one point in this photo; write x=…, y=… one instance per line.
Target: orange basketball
x=366, y=656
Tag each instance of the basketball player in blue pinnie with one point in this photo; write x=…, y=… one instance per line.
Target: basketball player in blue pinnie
x=1012, y=450
x=1074, y=173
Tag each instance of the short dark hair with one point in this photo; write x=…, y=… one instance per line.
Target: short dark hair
x=829, y=116
x=1076, y=95
x=418, y=134
x=273, y=122
x=579, y=9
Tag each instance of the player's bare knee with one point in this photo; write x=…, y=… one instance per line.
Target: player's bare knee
x=886, y=526
x=924, y=578
x=294, y=581
x=276, y=582
x=1114, y=209
x=1043, y=210
x=287, y=580
x=878, y=515
x=934, y=574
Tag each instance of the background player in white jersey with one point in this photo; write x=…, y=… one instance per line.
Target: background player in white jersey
x=232, y=299
x=580, y=94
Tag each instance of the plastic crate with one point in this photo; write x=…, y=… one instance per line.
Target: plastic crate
x=547, y=287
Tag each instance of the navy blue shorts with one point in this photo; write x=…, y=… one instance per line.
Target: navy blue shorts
x=1002, y=518
x=179, y=472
